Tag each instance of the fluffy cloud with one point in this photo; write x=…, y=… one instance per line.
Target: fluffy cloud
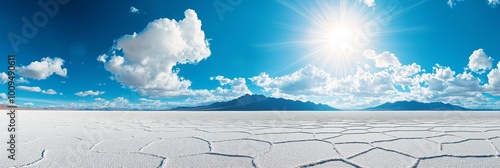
x=383, y=60
x=30, y=89
x=229, y=89
x=309, y=80
x=4, y=78
x=22, y=80
x=49, y=91
x=102, y=58
x=494, y=81
x=99, y=99
x=390, y=81
x=3, y=95
x=479, y=62
x=493, y=3
x=369, y=3
x=133, y=10
x=37, y=89
x=116, y=103
x=43, y=69
x=144, y=61
x=120, y=101
x=89, y=93
x=404, y=75
x=237, y=87
x=463, y=83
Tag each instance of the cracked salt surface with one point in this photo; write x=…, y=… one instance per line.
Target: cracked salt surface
x=123, y=145
x=363, y=137
x=255, y=139
x=460, y=162
x=330, y=164
x=293, y=154
x=350, y=149
x=244, y=147
x=412, y=147
x=177, y=147
x=90, y=159
x=383, y=159
x=224, y=136
x=470, y=148
x=211, y=160
x=284, y=137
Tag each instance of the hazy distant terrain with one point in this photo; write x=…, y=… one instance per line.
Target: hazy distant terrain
x=259, y=103
x=256, y=139
x=262, y=103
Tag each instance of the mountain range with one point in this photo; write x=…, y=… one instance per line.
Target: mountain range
x=262, y=103
x=259, y=103
x=414, y=105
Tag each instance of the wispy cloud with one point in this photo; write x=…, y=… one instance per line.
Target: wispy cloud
x=369, y=3
x=133, y=9
x=37, y=89
x=492, y=3
x=30, y=89
x=89, y=93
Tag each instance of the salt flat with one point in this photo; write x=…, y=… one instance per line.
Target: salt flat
x=254, y=139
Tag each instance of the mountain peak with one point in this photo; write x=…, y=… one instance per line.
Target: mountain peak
x=254, y=102
x=416, y=105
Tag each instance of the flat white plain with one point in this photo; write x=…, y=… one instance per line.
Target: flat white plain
x=254, y=139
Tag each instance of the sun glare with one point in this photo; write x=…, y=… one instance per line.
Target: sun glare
x=332, y=33
x=340, y=37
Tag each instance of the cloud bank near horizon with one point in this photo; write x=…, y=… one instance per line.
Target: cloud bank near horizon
x=383, y=78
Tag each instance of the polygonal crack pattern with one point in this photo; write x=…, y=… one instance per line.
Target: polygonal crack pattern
x=233, y=139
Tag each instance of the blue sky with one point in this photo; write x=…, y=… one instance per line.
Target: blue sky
x=349, y=54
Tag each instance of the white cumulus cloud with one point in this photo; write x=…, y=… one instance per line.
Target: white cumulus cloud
x=309, y=80
x=4, y=78
x=49, y=92
x=99, y=99
x=40, y=70
x=494, y=80
x=229, y=89
x=144, y=61
x=22, y=80
x=237, y=87
x=30, y=89
x=480, y=62
x=3, y=95
x=493, y=3
x=133, y=9
x=37, y=89
x=102, y=58
x=382, y=60
x=89, y=93
x=391, y=81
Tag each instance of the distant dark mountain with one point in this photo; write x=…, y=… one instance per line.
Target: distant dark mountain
x=259, y=103
x=414, y=105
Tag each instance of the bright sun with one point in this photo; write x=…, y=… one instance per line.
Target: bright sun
x=334, y=33
x=340, y=37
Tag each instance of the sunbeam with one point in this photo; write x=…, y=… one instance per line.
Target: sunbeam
x=335, y=33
